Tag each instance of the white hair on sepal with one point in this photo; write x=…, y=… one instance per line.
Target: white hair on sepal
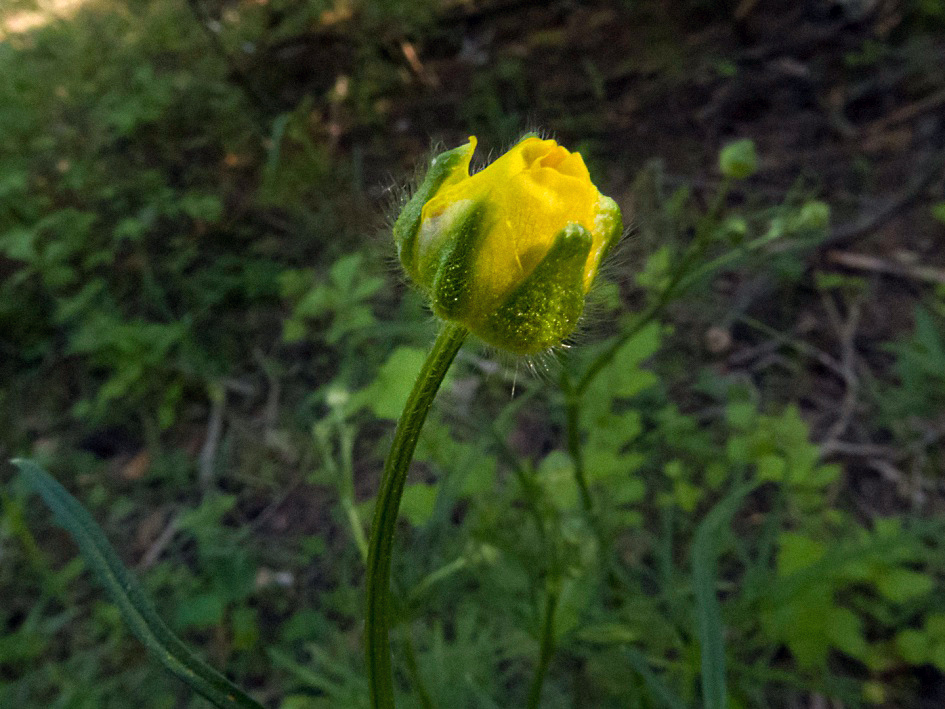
x=610, y=269
x=401, y=191
x=533, y=127
x=546, y=366
x=398, y=193
x=542, y=366
x=395, y=195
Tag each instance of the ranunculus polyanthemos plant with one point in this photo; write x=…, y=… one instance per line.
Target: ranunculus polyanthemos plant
x=508, y=254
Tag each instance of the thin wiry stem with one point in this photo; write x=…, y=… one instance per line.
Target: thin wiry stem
x=547, y=647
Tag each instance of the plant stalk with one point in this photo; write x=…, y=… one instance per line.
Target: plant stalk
x=573, y=409
x=377, y=619
x=547, y=647
x=679, y=282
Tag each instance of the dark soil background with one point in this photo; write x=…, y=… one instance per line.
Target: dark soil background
x=843, y=100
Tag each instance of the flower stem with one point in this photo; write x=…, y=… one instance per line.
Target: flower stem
x=573, y=410
x=547, y=647
x=377, y=621
x=680, y=281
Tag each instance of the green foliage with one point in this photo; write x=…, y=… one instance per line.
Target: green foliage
x=126, y=593
x=809, y=617
x=172, y=243
x=128, y=228
x=925, y=645
x=342, y=301
x=920, y=366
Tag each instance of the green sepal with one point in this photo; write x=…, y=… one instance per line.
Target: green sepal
x=451, y=289
x=442, y=171
x=611, y=220
x=545, y=307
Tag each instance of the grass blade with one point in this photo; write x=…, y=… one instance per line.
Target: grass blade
x=129, y=596
x=705, y=550
x=657, y=687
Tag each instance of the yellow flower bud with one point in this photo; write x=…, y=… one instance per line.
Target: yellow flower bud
x=511, y=251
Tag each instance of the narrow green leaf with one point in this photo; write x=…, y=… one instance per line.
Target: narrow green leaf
x=657, y=687
x=127, y=593
x=705, y=549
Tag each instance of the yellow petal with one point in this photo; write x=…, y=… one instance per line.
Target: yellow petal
x=522, y=202
x=533, y=191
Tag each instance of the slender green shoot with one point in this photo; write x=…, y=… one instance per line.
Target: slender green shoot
x=547, y=646
x=380, y=546
x=705, y=550
x=126, y=592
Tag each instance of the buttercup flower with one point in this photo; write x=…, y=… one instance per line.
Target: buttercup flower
x=511, y=251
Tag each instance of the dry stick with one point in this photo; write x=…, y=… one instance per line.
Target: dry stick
x=864, y=450
x=269, y=510
x=863, y=226
x=762, y=285
x=779, y=339
x=846, y=332
x=864, y=262
x=153, y=553
x=208, y=452
x=907, y=112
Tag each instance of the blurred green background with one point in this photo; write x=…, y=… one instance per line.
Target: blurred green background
x=205, y=336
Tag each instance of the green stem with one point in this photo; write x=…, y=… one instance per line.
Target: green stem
x=644, y=319
x=377, y=622
x=573, y=410
x=607, y=356
x=547, y=647
x=346, y=443
x=410, y=656
x=354, y=521
x=679, y=282
x=530, y=488
x=127, y=593
x=431, y=579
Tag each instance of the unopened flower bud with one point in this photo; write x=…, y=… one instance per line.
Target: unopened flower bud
x=511, y=251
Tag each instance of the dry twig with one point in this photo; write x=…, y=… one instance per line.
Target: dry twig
x=865, y=262
x=153, y=553
x=889, y=208
x=846, y=331
x=208, y=453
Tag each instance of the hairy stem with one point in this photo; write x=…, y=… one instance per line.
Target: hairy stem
x=377, y=621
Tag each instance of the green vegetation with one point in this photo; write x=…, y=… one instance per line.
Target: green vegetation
x=203, y=338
